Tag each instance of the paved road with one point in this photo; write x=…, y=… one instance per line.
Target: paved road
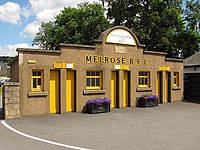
x=168, y=127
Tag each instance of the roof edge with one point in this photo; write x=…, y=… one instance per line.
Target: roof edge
x=77, y=45
x=37, y=50
x=174, y=59
x=155, y=52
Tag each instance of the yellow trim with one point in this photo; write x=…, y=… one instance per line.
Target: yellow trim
x=113, y=89
x=94, y=77
x=142, y=85
x=125, y=89
x=164, y=68
x=54, y=91
x=37, y=77
x=70, y=100
x=176, y=79
x=141, y=81
x=59, y=65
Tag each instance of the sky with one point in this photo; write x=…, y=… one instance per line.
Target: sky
x=20, y=21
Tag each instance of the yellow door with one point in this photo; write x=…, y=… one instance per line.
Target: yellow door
x=70, y=91
x=166, y=87
x=125, y=89
x=158, y=85
x=113, y=89
x=54, y=92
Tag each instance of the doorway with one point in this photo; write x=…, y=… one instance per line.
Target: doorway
x=54, y=92
x=168, y=87
x=114, y=89
x=70, y=91
x=163, y=86
x=159, y=87
x=126, y=89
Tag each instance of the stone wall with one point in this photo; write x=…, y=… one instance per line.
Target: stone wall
x=11, y=100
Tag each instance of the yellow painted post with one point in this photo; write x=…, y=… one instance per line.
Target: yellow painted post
x=158, y=86
x=113, y=89
x=70, y=91
x=125, y=89
x=54, y=92
x=167, y=88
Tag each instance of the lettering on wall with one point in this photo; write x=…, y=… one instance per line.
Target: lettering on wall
x=115, y=60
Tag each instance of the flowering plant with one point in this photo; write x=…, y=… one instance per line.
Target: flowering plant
x=99, y=101
x=149, y=96
x=147, y=100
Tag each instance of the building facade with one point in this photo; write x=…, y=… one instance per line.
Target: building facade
x=115, y=67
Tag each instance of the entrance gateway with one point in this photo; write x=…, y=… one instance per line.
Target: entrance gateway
x=163, y=85
x=55, y=96
x=116, y=67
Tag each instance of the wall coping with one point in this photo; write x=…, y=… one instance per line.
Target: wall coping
x=174, y=59
x=11, y=84
x=38, y=50
x=77, y=45
x=155, y=52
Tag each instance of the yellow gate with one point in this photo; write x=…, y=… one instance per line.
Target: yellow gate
x=158, y=86
x=70, y=100
x=167, y=88
x=54, y=91
x=113, y=89
x=125, y=89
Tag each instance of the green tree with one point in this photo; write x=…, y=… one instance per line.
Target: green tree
x=159, y=24
x=78, y=25
x=45, y=38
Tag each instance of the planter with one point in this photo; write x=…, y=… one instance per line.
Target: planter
x=147, y=102
x=94, y=108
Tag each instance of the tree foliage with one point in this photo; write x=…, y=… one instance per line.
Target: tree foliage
x=162, y=25
x=78, y=25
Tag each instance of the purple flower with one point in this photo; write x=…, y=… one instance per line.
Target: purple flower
x=99, y=101
x=149, y=96
x=152, y=97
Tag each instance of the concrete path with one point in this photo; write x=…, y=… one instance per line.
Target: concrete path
x=168, y=127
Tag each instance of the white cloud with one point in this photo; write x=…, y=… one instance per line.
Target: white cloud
x=10, y=12
x=47, y=15
x=40, y=5
x=10, y=50
x=31, y=29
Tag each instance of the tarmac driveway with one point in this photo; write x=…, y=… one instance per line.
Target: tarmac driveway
x=173, y=126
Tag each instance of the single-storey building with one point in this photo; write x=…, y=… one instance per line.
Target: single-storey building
x=192, y=77
x=116, y=66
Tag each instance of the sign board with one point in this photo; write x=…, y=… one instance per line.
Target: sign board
x=70, y=65
x=120, y=36
x=59, y=65
x=125, y=67
x=164, y=68
x=117, y=67
x=121, y=67
x=31, y=61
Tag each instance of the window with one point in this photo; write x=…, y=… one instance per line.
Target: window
x=176, y=79
x=37, y=80
x=144, y=79
x=94, y=80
